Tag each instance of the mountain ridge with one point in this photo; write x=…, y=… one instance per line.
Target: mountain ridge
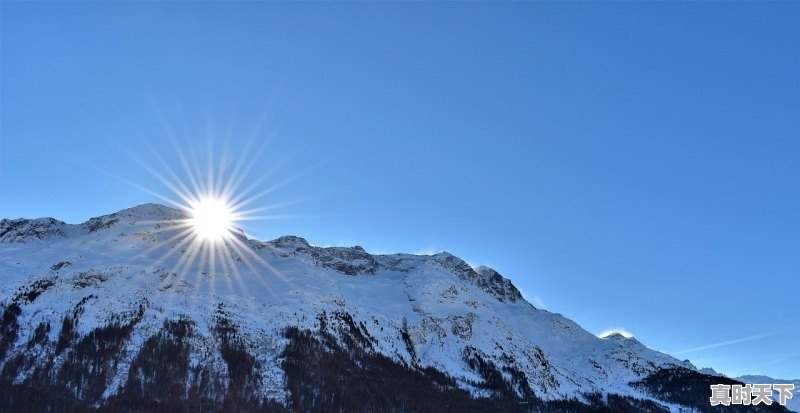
x=123, y=282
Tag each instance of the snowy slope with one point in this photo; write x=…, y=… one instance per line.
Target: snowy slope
x=419, y=310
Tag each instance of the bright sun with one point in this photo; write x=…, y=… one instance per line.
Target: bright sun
x=212, y=219
x=218, y=197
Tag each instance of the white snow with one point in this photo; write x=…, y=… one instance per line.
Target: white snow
x=123, y=265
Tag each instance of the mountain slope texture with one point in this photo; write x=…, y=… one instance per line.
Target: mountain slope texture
x=118, y=314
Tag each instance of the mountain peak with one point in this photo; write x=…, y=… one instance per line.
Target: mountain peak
x=23, y=230
x=497, y=285
x=145, y=213
x=122, y=276
x=151, y=211
x=618, y=336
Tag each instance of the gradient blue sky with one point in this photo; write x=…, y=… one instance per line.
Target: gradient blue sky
x=629, y=165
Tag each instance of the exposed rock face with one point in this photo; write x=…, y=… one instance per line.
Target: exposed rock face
x=21, y=230
x=105, y=316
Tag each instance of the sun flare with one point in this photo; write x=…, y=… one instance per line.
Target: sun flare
x=217, y=197
x=212, y=219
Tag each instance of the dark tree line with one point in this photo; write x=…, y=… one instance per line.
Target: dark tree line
x=692, y=388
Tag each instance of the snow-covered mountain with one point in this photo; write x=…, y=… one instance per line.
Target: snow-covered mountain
x=115, y=315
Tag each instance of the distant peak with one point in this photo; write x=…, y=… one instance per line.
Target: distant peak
x=710, y=371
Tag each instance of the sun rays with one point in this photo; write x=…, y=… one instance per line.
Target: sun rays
x=206, y=248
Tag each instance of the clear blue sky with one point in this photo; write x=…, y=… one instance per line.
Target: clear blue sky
x=629, y=165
